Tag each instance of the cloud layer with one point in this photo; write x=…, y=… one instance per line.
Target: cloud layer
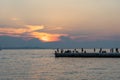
x=31, y=31
x=61, y=20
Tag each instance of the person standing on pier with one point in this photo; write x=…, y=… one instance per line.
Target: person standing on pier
x=100, y=50
x=62, y=51
x=57, y=50
x=82, y=50
x=111, y=50
x=117, y=51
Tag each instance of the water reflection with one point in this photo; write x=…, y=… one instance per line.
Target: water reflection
x=42, y=65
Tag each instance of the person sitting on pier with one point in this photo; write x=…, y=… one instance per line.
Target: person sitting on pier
x=62, y=51
x=104, y=51
x=56, y=52
x=85, y=51
x=68, y=51
x=75, y=51
x=117, y=51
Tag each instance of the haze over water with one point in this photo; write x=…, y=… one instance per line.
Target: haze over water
x=41, y=64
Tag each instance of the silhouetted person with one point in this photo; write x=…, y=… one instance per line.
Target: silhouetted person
x=104, y=51
x=57, y=50
x=62, y=50
x=111, y=50
x=68, y=51
x=82, y=50
x=75, y=50
x=100, y=50
x=117, y=51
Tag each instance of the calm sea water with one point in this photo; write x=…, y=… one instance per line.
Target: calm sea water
x=42, y=65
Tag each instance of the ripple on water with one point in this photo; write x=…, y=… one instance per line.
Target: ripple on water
x=42, y=65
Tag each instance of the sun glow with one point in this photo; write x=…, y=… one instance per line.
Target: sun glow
x=47, y=37
x=31, y=31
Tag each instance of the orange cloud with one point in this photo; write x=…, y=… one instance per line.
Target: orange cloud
x=12, y=30
x=47, y=37
x=27, y=28
x=31, y=31
x=34, y=27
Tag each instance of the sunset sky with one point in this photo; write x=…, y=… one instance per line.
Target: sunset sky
x=49, y=20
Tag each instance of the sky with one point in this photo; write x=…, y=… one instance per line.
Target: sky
x=50, y=20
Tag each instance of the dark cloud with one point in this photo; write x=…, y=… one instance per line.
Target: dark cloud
x=66, y=42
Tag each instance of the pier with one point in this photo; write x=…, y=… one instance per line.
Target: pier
x=87, y=55
x=83, y=53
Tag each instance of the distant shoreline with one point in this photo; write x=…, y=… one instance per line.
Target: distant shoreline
x=24, y=48
x=51, y=48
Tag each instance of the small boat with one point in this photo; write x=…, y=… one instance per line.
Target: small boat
x=100, y=55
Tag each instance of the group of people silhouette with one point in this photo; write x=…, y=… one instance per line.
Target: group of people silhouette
x=69, y=51
x=112, y=50
x=116, y=50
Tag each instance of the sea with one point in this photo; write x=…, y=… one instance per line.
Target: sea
x=41, y=64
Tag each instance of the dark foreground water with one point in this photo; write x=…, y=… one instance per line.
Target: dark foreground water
x=42, y=65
